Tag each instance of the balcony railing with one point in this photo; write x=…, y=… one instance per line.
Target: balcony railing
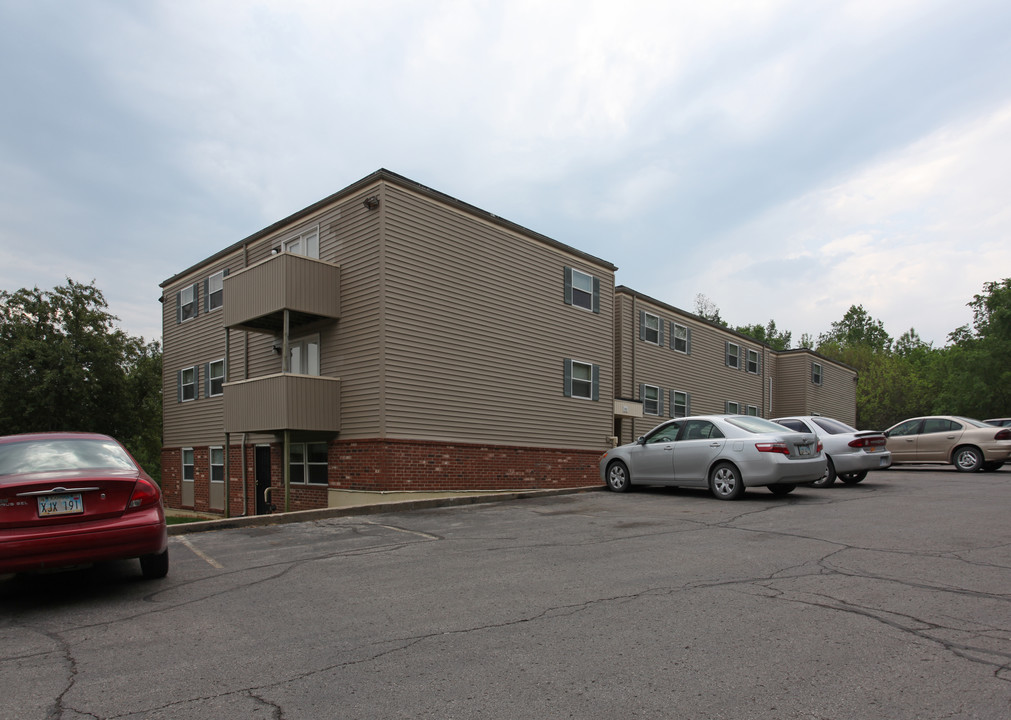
x=256, y=297
x=283, y=402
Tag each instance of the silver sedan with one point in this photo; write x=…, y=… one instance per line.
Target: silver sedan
x=725, y=453
x=850, y=453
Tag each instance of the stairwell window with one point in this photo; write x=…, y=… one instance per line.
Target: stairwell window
x=303, y=356
x=215, y=374
x=816, y=373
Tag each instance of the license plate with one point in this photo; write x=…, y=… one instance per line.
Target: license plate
x=69, y=504
x=803, y=449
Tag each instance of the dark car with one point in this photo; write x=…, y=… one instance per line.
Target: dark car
x=70, y=499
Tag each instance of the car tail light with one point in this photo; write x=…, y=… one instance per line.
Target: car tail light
x=875, y=441
x=773, y=447
x=1004, y=434
x=820, y=446
x=145, y=493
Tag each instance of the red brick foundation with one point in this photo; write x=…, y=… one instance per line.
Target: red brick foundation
x=391, y=466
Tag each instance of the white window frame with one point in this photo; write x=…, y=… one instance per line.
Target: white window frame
x=675, y=405
x=215, y=290
x=211, y=378
x=817, y=373
x=183, y=385
x=306, y=243
x=733, y=408
x=584, y=383
x=647, y=391
x=191, y=465
x=306, y=351
x=748, y=362
x=733, y=356
x=753, y=410
x=678, y=338
x=647, y=331
x=188, y=303
x=582, y=297
x=213, y=465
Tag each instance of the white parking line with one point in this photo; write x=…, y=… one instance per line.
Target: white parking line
x=200, y=553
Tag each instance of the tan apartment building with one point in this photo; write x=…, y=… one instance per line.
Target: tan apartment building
x=388, y=337
x=671, y=363
x=392, y=338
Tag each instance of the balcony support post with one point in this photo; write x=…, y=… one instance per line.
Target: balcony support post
x=287, y=467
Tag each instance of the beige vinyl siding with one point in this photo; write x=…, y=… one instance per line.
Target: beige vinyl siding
x=797, y=395
x=792, y=380
x=197, y=341
x=477, y=330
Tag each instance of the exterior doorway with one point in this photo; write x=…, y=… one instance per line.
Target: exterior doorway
x=261, y=471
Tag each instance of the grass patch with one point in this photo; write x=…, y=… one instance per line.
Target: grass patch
x=181, y=519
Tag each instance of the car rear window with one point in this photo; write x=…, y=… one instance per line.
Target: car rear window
x=62, y=454
x=755, y=424
x=833, y=427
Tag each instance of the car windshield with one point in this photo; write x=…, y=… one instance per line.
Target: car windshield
x=833, y=427
x=755, y=424
x=62, y=454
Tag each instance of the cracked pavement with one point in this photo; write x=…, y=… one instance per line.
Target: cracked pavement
x=888, y=599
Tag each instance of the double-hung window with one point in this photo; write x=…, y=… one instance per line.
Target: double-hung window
x=217, y=464
x=215, y=378
x=214, y=291
x=816, y=373
x=680, y=338
x=307, y=464
x=652, y=400
x=582, y=290
x=733, y=355
x=650, y=329
x=186, y=303
x=680, y=403
x=187, y=384
x=582, y=380
x=753, y=362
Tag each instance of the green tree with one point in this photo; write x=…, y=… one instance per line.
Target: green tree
x=856, y=329
x=975, y=366
x=768, y=334
x=65, y=366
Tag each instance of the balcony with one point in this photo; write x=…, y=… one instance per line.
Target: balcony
x=256, y=298
x=283, y=402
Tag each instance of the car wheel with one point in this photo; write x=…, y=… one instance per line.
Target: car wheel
x=853, y=478
x=992, y=466
x=725, y=482
x=617, y=477
x=784, y=489
x=968, y=459
x=828, y=478
x=154, y=566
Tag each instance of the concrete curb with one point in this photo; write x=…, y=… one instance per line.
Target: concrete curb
x=375, y=509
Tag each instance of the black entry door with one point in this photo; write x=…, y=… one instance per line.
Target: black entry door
x=262, y=473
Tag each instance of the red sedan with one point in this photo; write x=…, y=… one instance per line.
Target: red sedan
x=77, y=498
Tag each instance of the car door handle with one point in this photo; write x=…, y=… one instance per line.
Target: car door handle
x=714, y=444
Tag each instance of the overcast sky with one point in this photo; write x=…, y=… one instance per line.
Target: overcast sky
x=787, y=159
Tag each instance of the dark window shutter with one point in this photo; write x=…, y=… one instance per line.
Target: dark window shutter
x=207, y=379
x=689, y=348
x=179, y=386
x=642, y=324
x=568, y=286
x=726, y=353
x=196, y=382
x=179, y=307
x=196, y=299
x=207, y=295
x=659, y=332
x=659, y=402
x=642, y=392
x=596, y=383
x=688, y=403
x=596, y=295
x=567, y=376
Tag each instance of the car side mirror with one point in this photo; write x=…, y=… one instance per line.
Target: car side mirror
x=641, y=440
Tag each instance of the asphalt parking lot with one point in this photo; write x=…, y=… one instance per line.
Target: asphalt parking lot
x=888, y=599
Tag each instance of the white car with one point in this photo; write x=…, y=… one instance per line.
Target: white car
x=725, y=453
x=850, y=453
